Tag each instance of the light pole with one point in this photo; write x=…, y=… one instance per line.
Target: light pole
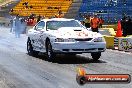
x=124, y=4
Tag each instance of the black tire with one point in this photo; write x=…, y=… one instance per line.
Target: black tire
x=70, y=54
x=96, y=55
x=30, y=50
x=49, y=52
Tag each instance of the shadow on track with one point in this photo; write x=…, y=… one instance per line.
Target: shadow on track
x=70, y=59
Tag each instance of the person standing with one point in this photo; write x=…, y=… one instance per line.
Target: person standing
x=12, y=24
x=17, y=26
x=94, y=23
x=101, y=21
x=129, y=26
x=87, y=22
x=23, y=26
x=39, y=18
x=124, y=25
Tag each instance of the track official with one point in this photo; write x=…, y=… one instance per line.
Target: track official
x=94, y=23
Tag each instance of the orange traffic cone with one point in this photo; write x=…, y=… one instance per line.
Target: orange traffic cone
x=119, y=30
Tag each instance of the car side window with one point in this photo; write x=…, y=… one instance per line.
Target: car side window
x=40, y=26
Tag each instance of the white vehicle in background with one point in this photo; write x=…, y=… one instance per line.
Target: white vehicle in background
x=67, y=36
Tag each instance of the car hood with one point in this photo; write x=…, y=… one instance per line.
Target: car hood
x=73, y=32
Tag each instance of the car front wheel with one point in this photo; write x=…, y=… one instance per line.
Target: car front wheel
x=96, y=55
x=49, y=52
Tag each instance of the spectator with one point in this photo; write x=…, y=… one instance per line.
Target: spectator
x=87, y=22
x=17, y=26
x=129, y=27
x=23, y=26
x=32, y=16
x=42, y=17
x=59, y=15
x=101, y=21
x=39, y=18
x=124, y=26
x=94, y=23
x=31, y=7
x=25, y=3
x=11, y=22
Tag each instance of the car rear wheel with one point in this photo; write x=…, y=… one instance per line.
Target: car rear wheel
x=30, y=49
x=96, y=55
x=49, y=52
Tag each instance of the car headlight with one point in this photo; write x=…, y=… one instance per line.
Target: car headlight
x=64, y=40
x=99, y=39
x=59, y=40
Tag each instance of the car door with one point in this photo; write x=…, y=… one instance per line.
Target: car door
x=38, y=31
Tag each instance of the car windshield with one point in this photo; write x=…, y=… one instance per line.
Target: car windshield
x=54, y=25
